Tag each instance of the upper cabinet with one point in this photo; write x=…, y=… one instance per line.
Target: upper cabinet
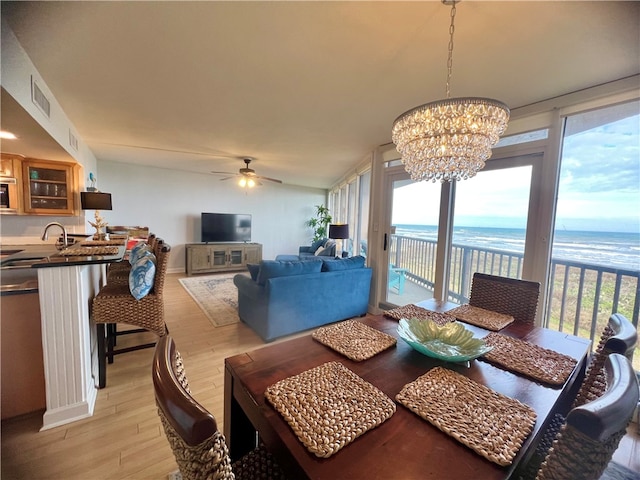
x=48, y=187
x=10, y=200
x=30, y=186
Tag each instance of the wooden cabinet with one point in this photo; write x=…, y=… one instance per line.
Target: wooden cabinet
x=48, y=187
x=213, y=257
x=23, y=383
x=9, y=179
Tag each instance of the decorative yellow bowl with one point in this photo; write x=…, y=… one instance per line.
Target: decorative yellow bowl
x=451, y=342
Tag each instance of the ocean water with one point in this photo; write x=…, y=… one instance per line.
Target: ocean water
x=610, y=249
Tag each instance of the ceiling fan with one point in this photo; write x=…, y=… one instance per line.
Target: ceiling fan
x=247, y=175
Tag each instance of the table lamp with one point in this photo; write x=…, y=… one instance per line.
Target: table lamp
x=96, y=201
x=339, y=231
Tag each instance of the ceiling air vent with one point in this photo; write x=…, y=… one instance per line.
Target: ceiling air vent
x=39, y=98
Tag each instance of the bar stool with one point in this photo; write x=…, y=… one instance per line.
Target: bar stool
x=115, y=304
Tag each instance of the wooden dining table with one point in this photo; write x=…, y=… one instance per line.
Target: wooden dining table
x=405, y=446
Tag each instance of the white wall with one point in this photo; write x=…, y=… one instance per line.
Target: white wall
x=169, y=202
x=17, y=74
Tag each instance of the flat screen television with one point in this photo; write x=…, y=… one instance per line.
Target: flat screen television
x=225, y=227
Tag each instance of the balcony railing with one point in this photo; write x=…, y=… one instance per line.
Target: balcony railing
x=581, y=296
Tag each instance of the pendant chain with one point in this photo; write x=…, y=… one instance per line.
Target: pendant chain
x=450, y=58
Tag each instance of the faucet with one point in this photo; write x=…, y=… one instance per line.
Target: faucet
x=45, y=234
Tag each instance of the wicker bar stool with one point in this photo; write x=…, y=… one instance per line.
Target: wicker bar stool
x=115, y=304
x=592, y=432
x=199, y=447
x=119, y=272
x=509, y=296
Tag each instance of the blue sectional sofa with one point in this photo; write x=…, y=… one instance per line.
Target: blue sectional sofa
x=287, y=296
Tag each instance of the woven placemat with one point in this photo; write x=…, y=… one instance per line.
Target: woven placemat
x=414, y=311
x=491, y=424
x=102, y=243
x=354, y=339
x=481, y=318
x=531, y=360
x=88, y=251
x=329, y=406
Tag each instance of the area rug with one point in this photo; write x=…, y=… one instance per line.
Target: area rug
x=216, y=295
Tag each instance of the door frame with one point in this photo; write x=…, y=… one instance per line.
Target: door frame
x=537, y=240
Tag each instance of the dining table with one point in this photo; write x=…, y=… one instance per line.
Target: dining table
x=403, y=445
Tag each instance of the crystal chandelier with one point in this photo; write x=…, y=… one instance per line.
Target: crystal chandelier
x=449, y=139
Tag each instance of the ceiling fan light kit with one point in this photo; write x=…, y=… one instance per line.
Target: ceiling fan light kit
x=449, y=139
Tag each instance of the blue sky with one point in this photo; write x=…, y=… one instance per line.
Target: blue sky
x=599, y=185
x=600, y=178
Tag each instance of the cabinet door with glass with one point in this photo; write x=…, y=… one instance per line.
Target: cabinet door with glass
x=48, y=187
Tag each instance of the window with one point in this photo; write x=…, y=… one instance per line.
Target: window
x=595, y=267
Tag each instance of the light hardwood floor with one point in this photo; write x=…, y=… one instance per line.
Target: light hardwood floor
x=124, y=439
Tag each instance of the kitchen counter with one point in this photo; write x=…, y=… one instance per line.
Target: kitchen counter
x=66, y=282
x=19, y=263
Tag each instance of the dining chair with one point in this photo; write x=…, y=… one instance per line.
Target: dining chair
x=618, y=336
x=115, y=304
x=592, y=432
x=198, y=445
x=509, y=296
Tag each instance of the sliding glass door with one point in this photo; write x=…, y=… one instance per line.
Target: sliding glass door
x=412, y=241
x=490, y=224
x=488, y=230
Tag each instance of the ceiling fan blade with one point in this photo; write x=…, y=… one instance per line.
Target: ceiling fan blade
x=227, y=178
x=223, y=173
x=269, y=179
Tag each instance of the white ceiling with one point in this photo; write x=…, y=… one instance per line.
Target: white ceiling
x=305, y=88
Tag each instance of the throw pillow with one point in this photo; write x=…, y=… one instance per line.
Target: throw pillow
x=141, y=277
x=319, y=250
x=135, y=251
x=335, y=264
x=275, y=268
x=325, y=252
x=253, y=268
x=316, y=244
x=144, y=252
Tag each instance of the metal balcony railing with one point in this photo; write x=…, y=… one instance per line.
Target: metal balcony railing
x=581, y=296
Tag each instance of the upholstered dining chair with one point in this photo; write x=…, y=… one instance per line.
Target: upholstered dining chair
x=592, y=432
x=618, y=336
x=509, y=296
x=199, y=447
x=115, y=304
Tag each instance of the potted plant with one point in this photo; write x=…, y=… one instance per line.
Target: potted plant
x=320, y=222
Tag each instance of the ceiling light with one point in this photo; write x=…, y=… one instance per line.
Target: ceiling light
x=7, y=135
x=449, y=139
x=246, y=182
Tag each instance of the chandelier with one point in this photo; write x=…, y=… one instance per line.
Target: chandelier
x=449, y=139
